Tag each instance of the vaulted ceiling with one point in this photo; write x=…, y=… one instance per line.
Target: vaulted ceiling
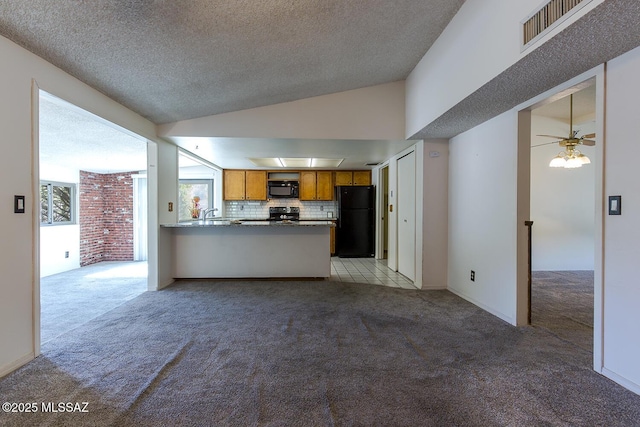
x=175, y=60
x=171, y=61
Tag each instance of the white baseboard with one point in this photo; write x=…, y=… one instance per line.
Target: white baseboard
x=433, y=287
x=165, y=284
x=630, y=385
x=10, y=367
x=499, y=315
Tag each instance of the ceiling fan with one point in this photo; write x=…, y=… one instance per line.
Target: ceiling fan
x=571, y=157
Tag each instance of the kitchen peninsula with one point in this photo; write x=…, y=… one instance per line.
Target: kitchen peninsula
x=250, y=249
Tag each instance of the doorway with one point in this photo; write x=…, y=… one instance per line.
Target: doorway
x=93, y=202
x=383, y=208
x=562, y=201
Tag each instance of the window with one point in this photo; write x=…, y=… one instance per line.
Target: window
x=57, y=203
x=194, y=194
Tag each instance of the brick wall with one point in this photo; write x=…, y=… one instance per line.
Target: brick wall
x=106, y=217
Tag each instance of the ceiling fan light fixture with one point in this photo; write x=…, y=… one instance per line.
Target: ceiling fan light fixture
x=571, y=158
x=584, y=159
x=558, y=161
x=572, y=163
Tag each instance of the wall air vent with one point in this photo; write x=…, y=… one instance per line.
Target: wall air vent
x=549, y=16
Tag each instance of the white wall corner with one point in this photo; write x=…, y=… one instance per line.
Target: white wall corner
x=10, y=367
x=435, y=211
x=420, y=214
x=523, y=212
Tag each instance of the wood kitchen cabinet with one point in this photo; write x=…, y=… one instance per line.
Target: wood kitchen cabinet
x=324, y=185
x=353, y=177
x=307, y=185
x=244, y=185
x=361, y=177
x=333, y=240
x=316, y=185
x=255, y=185
x=233, y=185
x=344, y=178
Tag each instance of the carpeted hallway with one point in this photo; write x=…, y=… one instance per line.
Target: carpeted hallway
x=562, y=303
x=313, y=353
x=68, y=299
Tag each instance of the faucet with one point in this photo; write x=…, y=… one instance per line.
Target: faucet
x=206, y=212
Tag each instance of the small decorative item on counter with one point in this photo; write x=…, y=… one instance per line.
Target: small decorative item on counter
x=195, y=208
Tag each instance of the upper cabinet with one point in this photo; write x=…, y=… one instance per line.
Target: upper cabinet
x=324, y=185
x=244, y=185
x=361, y=177
x=256, y=185
x=316, y=185
x=353, y=177
x=233, y=185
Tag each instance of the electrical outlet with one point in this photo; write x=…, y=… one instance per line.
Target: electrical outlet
x=473, y=276
x=66, y=254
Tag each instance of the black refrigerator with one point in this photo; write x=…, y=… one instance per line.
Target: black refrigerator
x=355, y=232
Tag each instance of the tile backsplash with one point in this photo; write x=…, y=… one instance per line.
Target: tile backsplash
x=260, y=210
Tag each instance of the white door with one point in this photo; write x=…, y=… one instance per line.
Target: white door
x=406, y=214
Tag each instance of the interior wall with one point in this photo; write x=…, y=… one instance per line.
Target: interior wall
x=56, y=240
x=621, y=233
x=435, y=214
x=482, y=215
x=167, y=163
x=481, y=41
x=562, y=202
x=375, y=113
x=21, y=72
x=105, y=217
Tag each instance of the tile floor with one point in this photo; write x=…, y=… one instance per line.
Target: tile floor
x=367, y=270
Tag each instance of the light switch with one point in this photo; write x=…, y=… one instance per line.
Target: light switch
x=18, y=204
x=615, y=205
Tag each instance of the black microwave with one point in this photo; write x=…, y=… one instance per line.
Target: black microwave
x=282, y=189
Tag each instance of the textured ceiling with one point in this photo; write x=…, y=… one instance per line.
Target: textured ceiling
x=609, y=30
x=73, y=139
x=176, y=60
x=584, y=106
x=171, y=60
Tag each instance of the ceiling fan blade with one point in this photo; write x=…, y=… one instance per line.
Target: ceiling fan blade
x=588, y=142
x=589, y=135
x=546, y=143
x=552, y=136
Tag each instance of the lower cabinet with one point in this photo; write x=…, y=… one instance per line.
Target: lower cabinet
x=333, y=239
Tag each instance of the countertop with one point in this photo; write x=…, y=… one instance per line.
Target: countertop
x=249, y=223
x=318, y=219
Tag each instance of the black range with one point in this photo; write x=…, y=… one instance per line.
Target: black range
x=282, y=213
